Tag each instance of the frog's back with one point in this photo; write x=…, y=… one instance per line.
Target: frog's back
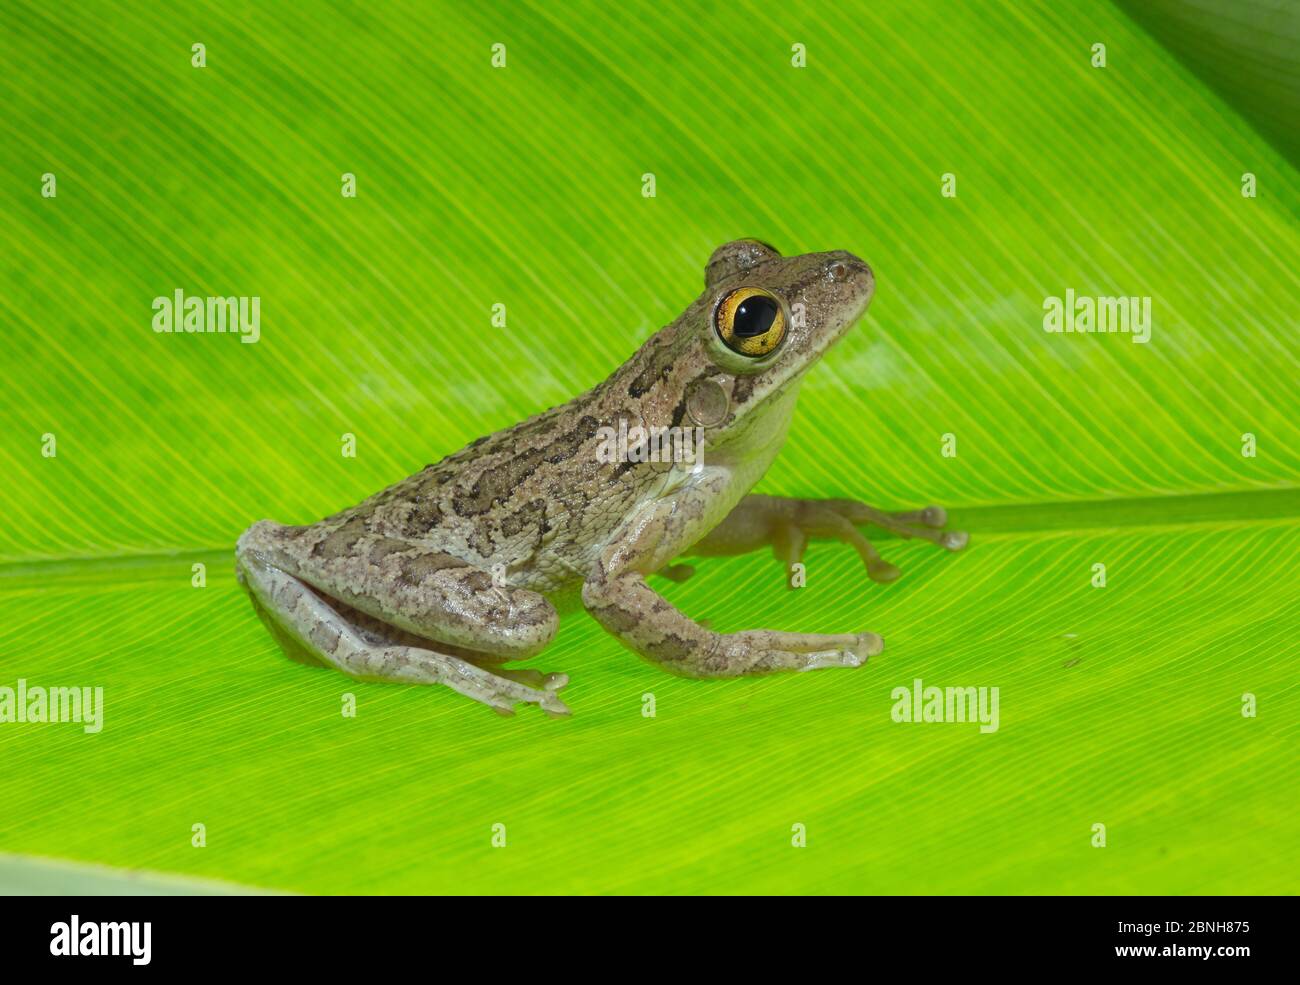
x=526, y=497
x=542, y=497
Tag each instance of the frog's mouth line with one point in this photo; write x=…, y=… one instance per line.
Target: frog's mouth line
x=829, y=340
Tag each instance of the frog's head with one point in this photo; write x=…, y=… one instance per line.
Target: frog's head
x=732, y=362
x=765, y=319
x=771, y=317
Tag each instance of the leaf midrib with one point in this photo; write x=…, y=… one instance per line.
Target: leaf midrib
x=1236, y=507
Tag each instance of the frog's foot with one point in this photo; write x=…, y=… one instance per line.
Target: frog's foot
x=788, y=524
x=793, y=522
x=307, y=622
x=757, y=651
x=840, y=519
x=533, y=678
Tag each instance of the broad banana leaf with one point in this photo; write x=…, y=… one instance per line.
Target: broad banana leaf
x=1130, y=587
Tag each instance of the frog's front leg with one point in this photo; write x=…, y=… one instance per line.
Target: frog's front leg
x=788, y=524
x=618, y=597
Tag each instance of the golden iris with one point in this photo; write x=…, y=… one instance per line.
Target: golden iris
x=751, y=321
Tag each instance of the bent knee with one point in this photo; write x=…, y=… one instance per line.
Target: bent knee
x=261, y=536
x=520, y=622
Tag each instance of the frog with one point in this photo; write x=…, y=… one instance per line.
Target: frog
x=449, y=575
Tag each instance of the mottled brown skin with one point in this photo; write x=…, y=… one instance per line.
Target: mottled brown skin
x=455, y=569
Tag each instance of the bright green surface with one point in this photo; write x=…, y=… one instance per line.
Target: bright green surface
x=523, y=186
x=27, y=876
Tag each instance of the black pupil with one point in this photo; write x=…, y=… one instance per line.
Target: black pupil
x=754, y=316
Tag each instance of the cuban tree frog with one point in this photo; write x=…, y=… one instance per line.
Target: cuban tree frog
x=463, y=567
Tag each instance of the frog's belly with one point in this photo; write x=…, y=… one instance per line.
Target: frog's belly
x=559, y=564
x=555, y=574
x=562, y=564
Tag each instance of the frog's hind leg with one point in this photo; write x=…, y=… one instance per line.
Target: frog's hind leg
x=380, y=634
x=309, y=625
x=788, y=524
x=409, y=585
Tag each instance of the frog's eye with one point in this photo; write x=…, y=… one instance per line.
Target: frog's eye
x=750, y=321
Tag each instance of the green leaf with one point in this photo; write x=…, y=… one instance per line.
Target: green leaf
x=476, y=186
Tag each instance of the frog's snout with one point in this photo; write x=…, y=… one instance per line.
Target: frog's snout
x=843, y=267
x=851, y=283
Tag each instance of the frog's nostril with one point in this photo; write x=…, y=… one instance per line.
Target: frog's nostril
x=844, y=268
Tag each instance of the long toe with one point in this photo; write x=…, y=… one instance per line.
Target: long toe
x=883, y=572
x=870, y=644
x=934, y=516
x=554, y=707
